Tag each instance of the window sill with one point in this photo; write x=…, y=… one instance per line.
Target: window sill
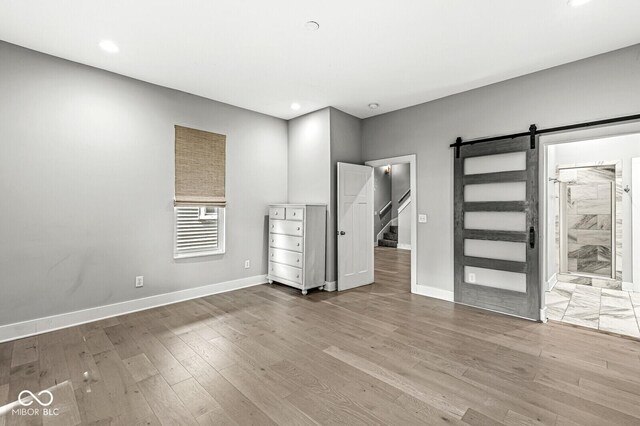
x=199, y=254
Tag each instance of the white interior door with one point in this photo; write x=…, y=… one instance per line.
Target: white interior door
x=355, y=225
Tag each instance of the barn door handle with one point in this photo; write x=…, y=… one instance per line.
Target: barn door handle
x=532, y=237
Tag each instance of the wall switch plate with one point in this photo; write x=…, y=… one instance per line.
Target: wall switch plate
x=422, y=218
x=472, y=277
x=247, y=264
x=139, y=281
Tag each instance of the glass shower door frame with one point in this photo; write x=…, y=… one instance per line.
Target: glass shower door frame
x=563, y=231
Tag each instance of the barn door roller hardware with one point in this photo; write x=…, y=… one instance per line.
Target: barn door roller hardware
x=532, y=134
x=534, y=131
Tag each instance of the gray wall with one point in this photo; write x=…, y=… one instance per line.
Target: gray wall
x=346, y=147
x=86, y=171
x=87, y=180
x=400, y=183
x=317, y=141
x=309, y=166
x=309, y=158
x=598, y=87
x=381, y=196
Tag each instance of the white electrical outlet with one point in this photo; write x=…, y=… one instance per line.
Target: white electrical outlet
x=139, y=281
x=422, y=218
x=472, y=277
x=247, y=264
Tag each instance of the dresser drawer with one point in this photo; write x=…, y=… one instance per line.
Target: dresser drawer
x=288, y=227
x=286, y=242
x=277, y=270
x=276, y=213
x=287, y=257
x=294, y=213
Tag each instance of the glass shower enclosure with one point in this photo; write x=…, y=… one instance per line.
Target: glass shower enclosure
x=587, y=203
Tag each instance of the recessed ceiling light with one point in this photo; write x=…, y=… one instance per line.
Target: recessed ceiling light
x=295, y=106
x=312, y=26
x=109, y=46
x=374, y=105
x=576, y=3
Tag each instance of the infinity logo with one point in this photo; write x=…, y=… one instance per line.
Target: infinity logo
x=29, y=402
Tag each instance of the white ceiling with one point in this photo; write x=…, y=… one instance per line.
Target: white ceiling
x=256, y=54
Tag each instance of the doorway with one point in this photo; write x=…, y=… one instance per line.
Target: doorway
x=395, y=218
x=588, y=208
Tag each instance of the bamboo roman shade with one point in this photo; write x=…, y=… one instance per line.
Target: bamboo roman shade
x=200, y=167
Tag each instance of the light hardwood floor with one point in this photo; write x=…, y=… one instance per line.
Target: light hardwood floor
x=373, y=355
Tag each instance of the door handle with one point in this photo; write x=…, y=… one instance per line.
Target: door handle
x=341, y=233
x=532, y=237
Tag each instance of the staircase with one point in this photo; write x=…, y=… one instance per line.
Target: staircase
x=390, y=239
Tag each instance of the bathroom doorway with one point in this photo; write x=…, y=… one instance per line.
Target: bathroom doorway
x=588, y=262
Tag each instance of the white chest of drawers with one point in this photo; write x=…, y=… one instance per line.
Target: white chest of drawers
x=297, y=239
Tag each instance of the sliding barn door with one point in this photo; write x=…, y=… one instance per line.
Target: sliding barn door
x=496, y=227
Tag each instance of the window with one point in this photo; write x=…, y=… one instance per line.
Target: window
x=199, y=231
x=200, y=199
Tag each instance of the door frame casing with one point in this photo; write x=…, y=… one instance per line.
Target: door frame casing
x=410, y=159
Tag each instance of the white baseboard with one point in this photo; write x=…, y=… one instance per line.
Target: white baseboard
x=330, y=286
x=543, y=314
x=55, y=322
x=436, y=293
x=404, y=246
x=552, y=282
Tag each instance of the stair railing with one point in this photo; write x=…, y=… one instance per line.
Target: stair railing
x=404, y=205
x=404, y=196
x=385, y=209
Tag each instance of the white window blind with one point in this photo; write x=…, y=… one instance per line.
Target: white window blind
x=199, y=231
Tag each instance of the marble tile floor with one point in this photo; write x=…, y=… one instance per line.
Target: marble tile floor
x=614, y=311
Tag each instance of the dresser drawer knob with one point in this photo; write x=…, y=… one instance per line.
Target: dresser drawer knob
x=298, y=228
x=271, y=240
x=276, y=213
x=298, y=244
x=271, y=254
x=297, y=276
